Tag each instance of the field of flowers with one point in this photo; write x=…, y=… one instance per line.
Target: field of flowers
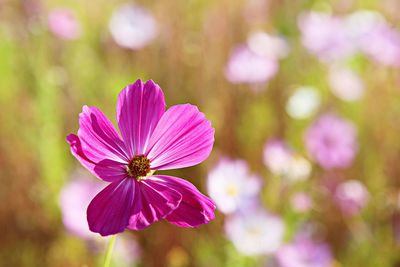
x=293, y=132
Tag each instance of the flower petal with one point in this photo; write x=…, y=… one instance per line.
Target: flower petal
x=139, y=108
x=183, y=137
x=195, y=208
x=107, y=170
x=109, y=211
x=99, y=139
x=157, y=200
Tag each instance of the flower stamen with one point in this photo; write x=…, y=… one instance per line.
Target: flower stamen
x=138, y=167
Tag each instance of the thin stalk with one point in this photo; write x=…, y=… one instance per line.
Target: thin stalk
x=109, y=251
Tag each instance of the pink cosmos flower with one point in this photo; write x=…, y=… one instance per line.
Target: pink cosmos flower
x=151, y=139
x=64, y=24
x=331, y=141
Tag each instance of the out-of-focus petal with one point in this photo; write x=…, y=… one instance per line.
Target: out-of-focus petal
x=107, y=170
x=139, y=108
x=195, y=208
x=182, y=138
x=99, y=139
x=110, y=210
x=156, y=201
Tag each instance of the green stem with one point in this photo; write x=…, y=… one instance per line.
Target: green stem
x=109, y=251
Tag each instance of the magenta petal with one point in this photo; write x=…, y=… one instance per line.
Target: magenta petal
x=139, y=108
x=195, y=208
x=99, y=139
x=107, y=170
x=156, y=201
x=109, y=211
x=183, y=137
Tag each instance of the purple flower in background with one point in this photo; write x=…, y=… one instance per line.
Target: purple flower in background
x=325, y=36
x=304, y=253
x=231, y=186
x=255, y=232
x=351, y=196
x=382, y=44
x=247, y=66
x=331, y=142
x=64, y=24
x=133, y=26
x=151, y=139
x=74, y=198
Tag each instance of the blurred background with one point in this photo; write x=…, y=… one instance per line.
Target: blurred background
x=304, y=97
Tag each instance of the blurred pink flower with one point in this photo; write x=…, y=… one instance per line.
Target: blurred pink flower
x=282, y=161
x=64, y=24
x=304, y=253
x=133, y=26
x=325, y=36
x=301, y=202
x=231, y=185
x=346, y=84
x=331, y=142
x=382, y=44
x=151, y=139
x=246, y=66
x=351, y=196
x=277, y=156
x=75, y=196
x=255, y=232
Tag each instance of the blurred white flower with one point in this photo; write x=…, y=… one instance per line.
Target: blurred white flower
x=298, y=169
x=351, y=196
x=133, y=26
x=272, y=46
x=303, y=103
x=346, y=84
x=255, y=232
x=231, y=185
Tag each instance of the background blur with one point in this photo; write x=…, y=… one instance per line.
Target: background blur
x=303, y=95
